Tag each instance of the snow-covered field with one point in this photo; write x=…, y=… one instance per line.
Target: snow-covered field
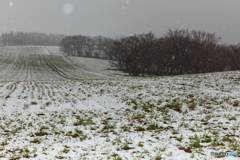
x=38, y=63
x=53, y=49
x=175, y=117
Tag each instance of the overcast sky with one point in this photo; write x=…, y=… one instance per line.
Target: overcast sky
x=113, y=18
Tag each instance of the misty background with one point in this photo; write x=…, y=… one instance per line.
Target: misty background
x=121, y=17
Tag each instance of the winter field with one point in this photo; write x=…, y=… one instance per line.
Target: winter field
x=45, y=63
x=56, y=107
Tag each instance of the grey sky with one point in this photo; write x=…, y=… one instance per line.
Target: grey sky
x=113, y=18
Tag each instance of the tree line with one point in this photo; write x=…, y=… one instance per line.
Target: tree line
x=80, y=45
x=30, y=38
x=176, y=52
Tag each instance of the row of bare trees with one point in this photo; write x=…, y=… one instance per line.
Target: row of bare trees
x=80, y=45
x=30, y=38
x=177, y=52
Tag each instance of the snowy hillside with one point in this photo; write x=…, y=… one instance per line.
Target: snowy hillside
x=174, y=117
x=46, y=63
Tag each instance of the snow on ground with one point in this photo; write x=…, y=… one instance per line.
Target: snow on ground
x=175, y=117
x=37, y=63
x=53, y=50
x=96, y=66
x=172, y=118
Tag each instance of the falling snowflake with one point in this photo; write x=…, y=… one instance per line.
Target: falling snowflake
x=68, y=8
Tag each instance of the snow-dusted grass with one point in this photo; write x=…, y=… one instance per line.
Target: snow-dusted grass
x=177, y=117
x=99, y=67
x=27, y=63
x=53, y=49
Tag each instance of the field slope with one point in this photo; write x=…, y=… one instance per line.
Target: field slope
x=47, y=113
x=42, y=63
